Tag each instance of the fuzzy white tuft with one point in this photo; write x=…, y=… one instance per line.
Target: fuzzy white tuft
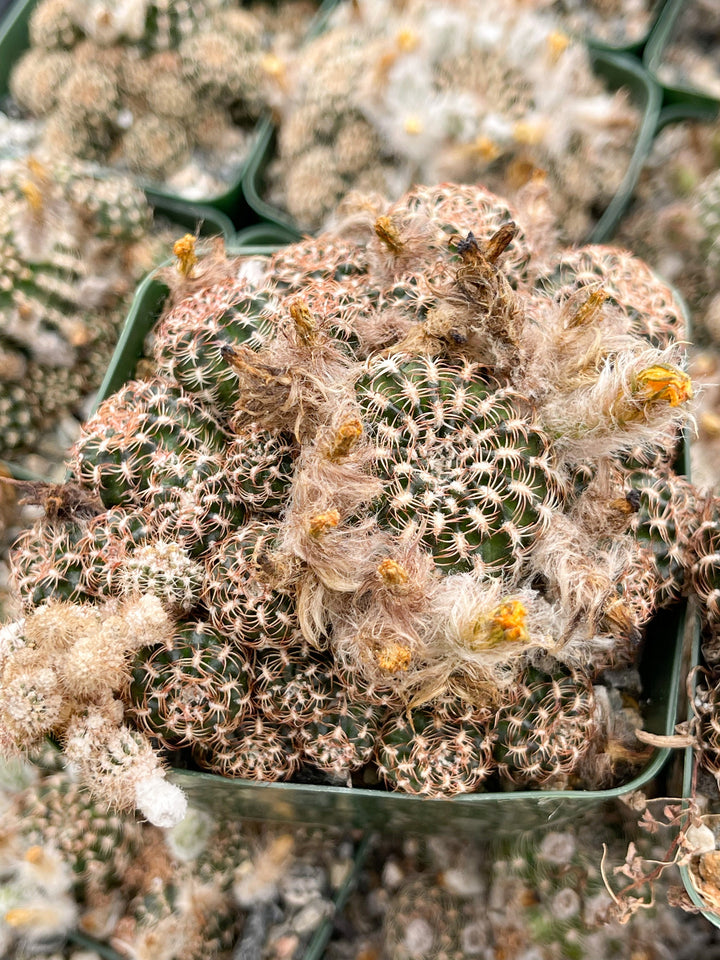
x=162, y=803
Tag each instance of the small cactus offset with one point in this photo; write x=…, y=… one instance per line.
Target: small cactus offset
x=382, y=490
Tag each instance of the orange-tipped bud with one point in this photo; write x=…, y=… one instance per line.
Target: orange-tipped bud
x=413, y=125
x=394, y=658
x=26, y=917
x=322, y=522
x=33, y=195
x=508, y=623
x=303, y=320
x=557, y=44
x=388, y=234
x=588, y=311
x=184, y=250
x=663, y=382
x=345, y=439
x=37, y=169
x=407, y=40
x=273, y=66
x=35, y=854
x=392, y=573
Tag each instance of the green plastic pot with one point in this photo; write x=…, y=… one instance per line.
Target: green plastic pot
x=658, y=42
x=371, y=809
x=78, y=939
x=622, y=71
x=631, y=47
x=688, y=773
x=616, y=69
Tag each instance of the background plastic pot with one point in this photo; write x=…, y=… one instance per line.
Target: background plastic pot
x=660, y=38
x=687, y=790
x=616, y=69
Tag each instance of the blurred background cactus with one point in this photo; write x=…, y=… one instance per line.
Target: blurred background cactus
x=165, y=91
x=74, y=244
x=203, y=890
x=388, y=96
x=689, y=59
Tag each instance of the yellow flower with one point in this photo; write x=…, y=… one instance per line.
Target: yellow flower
x=413, y=125
x=663, y=382
x=557, y=43
x=184, y=250
x=407, y=40
x=394, y=657
x=505, y=624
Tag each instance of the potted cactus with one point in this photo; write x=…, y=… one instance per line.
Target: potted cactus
x=393, y=512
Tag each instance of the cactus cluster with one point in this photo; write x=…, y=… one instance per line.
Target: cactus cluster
x=388, y=96
x=73, y=242
x=674, y=222
x=381, y=495
x=540, y=897
x=199, y=891
x=163, y=90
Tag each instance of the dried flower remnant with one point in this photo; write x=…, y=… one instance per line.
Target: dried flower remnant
x=184, y=251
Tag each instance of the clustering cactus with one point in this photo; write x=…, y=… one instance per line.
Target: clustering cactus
x=674, y=222
x=423, y=93
x=541, y=897
x=688, y=60
x=163, y=89
x=193, y=892
x=74, y=243
x=396, y=465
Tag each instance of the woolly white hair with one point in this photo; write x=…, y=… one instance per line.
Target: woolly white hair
x=161, y=802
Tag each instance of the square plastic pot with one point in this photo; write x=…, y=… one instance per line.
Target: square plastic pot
x=502, y=813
